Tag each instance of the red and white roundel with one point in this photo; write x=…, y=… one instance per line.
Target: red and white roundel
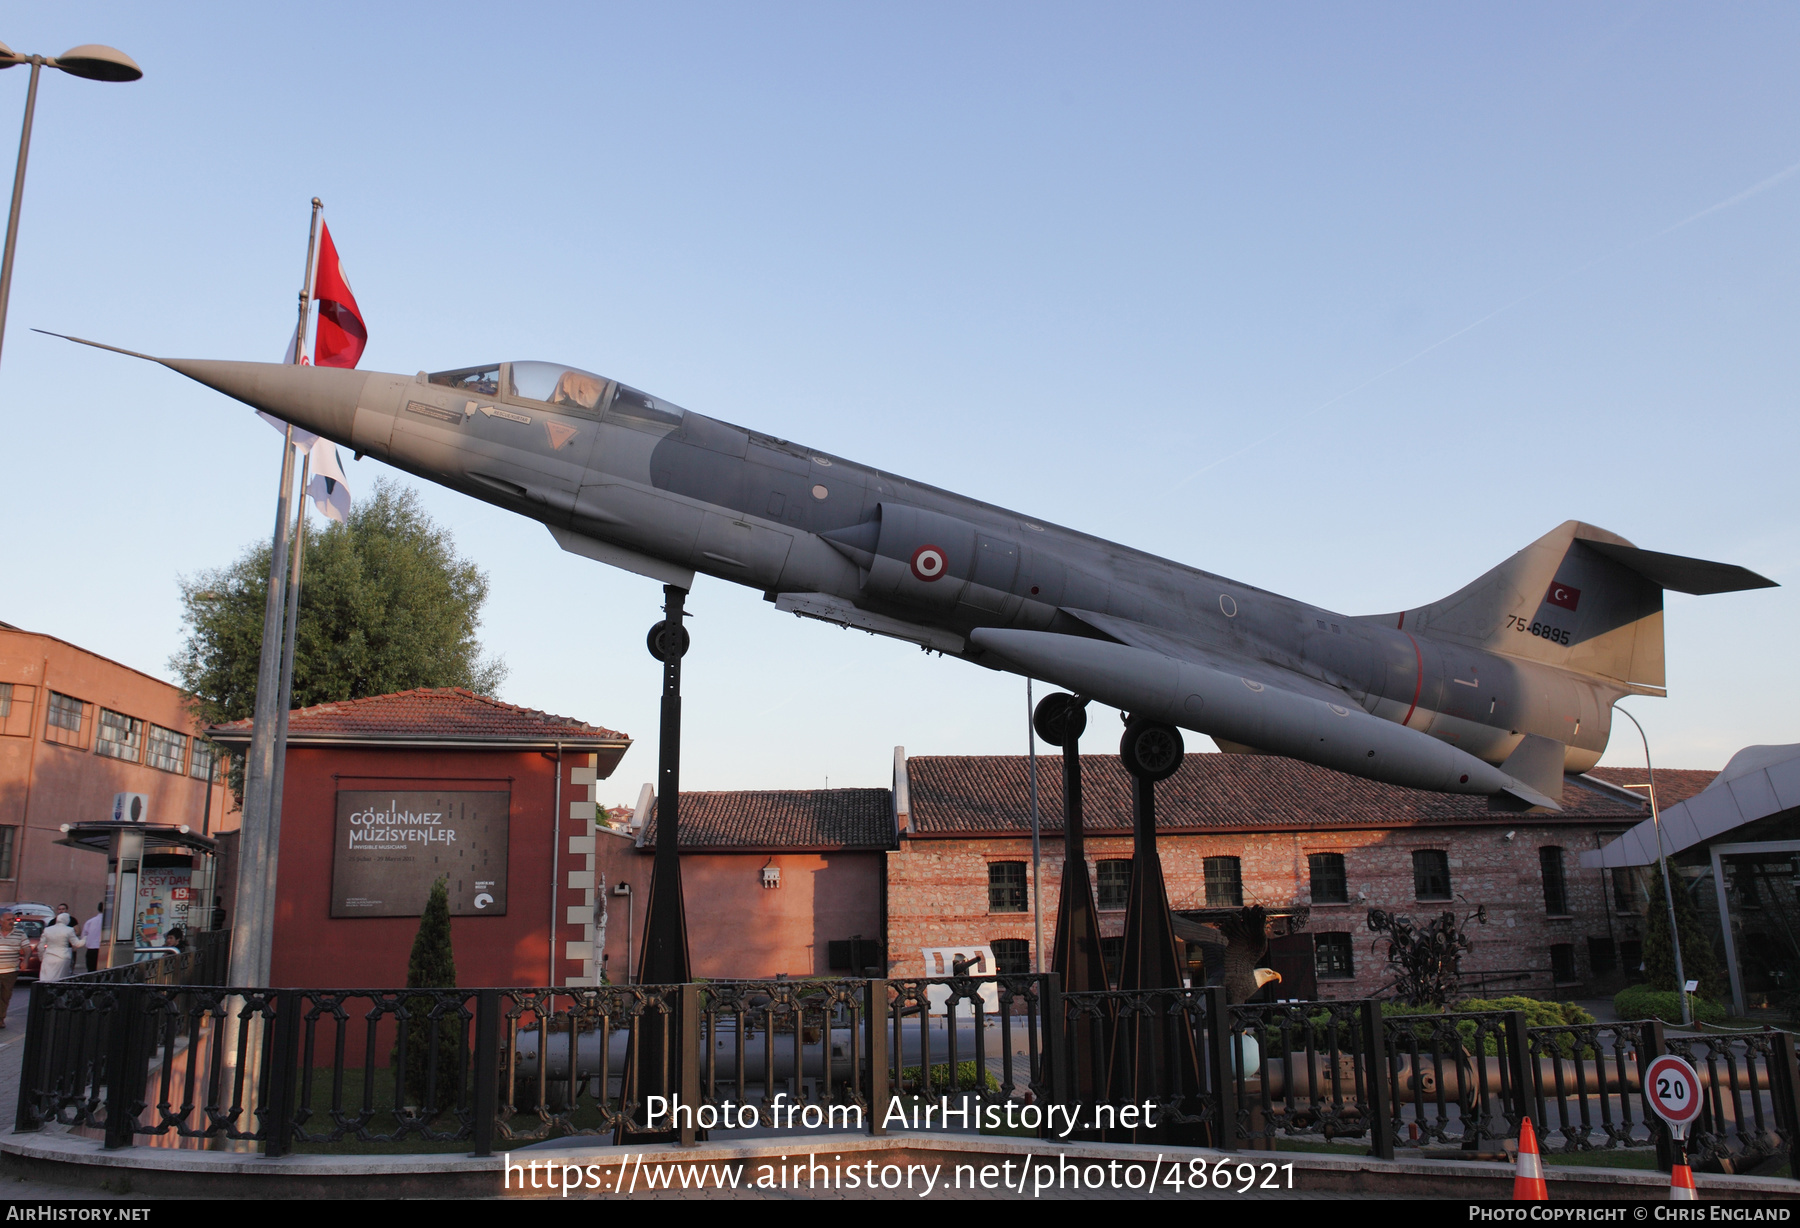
x=928, y=563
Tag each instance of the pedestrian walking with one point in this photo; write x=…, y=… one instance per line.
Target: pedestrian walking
x=92, y=935
x=58, y=944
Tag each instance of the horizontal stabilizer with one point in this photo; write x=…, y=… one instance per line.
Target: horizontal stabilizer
x=1683, y=575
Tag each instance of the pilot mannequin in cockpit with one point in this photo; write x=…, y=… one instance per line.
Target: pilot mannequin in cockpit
x=578, y=389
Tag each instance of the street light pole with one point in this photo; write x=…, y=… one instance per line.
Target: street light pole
x=92, y=61
x=18, y=195
x=1663, y=860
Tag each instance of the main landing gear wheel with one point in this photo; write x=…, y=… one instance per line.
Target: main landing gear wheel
x=1060, y=718
x=657, y=641
x=1151, y=750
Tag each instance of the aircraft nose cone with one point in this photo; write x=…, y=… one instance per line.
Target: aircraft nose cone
x=320, y=399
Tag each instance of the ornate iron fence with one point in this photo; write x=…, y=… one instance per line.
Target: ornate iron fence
x=165, y=1064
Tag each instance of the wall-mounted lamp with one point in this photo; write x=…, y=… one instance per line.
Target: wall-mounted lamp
x=771, y=875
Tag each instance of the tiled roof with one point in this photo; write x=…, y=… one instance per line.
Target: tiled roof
x=1673, y=785
x=975, y=794
x=428, y=714
x=784, y=819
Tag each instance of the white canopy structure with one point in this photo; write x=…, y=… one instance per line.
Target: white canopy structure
x=1758, y=782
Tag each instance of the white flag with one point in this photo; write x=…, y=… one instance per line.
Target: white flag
x=329, y=494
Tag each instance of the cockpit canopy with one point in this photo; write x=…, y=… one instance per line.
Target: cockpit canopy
x=556, y=384
x=567, y=388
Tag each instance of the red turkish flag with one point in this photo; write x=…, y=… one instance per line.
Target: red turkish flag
x=342, y=334
x=1563, y=595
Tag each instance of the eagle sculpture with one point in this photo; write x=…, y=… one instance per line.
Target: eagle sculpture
x=1237, y=944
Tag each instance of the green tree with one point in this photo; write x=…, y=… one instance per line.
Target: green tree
x=385, y=605
x=1697, y=958
x=432, y=966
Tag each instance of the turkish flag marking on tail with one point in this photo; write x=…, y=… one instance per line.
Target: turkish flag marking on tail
x=341, y=333
x=1564, y=596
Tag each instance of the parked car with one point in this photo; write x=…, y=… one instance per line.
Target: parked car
x=31, y=919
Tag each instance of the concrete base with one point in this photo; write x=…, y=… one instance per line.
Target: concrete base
x=985, y=1162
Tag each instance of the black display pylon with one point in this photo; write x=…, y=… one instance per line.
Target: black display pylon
x=653, y=1059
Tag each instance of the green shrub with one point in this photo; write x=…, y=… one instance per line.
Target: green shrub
x=1642, y=1002
x=1697, y=958
x=1539, y=1013
x=432, y=966
x=940, y=1077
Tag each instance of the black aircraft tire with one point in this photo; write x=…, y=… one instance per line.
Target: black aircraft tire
x=654, y=641
x=1151, y=750
x=1059, y=719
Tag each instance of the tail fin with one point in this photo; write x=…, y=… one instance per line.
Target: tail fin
x=1579, y=598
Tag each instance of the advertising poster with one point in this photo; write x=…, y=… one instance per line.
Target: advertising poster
x=163, y=899
x=393, y=844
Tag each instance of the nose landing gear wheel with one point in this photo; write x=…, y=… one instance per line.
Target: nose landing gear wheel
x=1151, y=750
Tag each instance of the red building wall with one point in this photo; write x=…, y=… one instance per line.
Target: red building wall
x=47, y=781
x=737, y=928
x=314, y=949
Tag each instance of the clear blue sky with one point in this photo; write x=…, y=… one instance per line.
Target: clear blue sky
x=1199, y=278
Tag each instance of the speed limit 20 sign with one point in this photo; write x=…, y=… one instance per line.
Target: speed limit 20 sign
x=1673, y=1090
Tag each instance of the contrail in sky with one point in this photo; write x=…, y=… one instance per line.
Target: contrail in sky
x=1727, y=203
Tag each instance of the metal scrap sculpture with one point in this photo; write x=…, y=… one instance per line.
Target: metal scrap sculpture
x=1425, y=959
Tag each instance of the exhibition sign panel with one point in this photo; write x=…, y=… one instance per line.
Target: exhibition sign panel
x=393, y=844
x=164, y=897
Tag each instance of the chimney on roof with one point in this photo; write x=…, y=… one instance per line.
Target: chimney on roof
x=902, y=802
x=640, y=817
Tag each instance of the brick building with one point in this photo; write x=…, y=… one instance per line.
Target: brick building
x=75, y=729
x=776, y=882
x=1266, y=830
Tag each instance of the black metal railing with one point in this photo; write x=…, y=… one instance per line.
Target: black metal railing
x=152, y=1061
x=205, y=961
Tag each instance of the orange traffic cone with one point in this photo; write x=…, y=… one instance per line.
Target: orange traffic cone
x=1528, y=1183
x=1681, y=1180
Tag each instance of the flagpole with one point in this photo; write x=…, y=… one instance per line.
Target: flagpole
x=272, y=856
x=250, y=946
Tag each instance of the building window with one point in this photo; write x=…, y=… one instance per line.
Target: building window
x=1601, y=956
x=1431, y=874
x=6, y=851
x=852, y=955
x=5, y=699
x=1329, y=886
x=1331, y=955
x=202, y=764
x=1224, y=883
x=121, y=736
x=1113, y=882
x=1556, y=887
x=1562, y=963
x=168, y=749
x=1112, y=954
x=1628, y=891
x=1012, y=956
x=1006, y=886
x=63, y=723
